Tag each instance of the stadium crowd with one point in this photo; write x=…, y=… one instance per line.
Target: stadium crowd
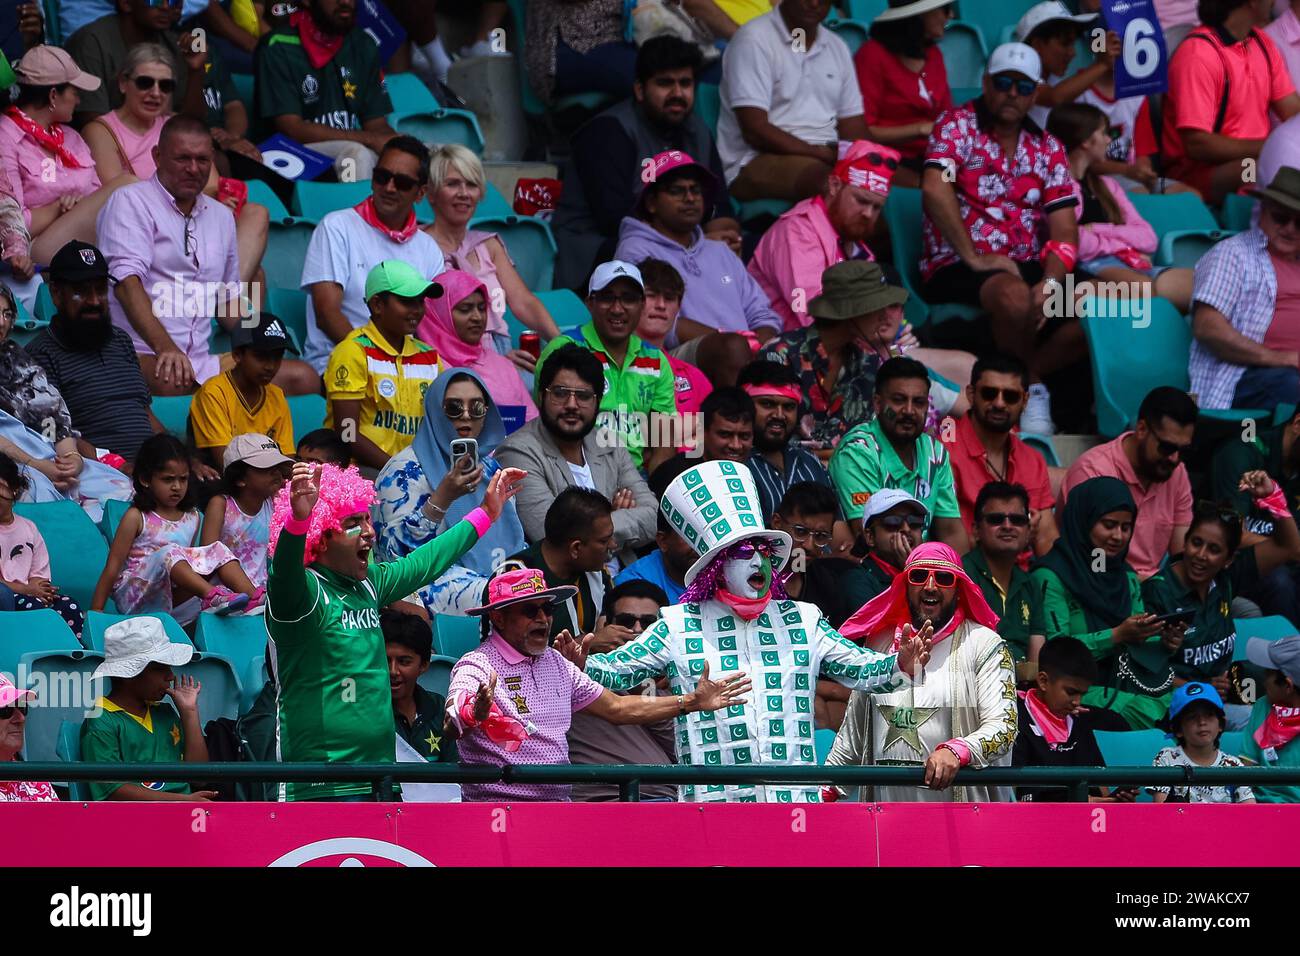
x=856, y=418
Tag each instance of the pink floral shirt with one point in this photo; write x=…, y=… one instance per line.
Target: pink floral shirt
x=1004, y=201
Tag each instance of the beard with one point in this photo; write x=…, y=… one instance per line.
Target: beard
x=561, y=433
x=83, y=335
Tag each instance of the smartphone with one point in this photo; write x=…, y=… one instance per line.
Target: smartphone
x=464, y=454
x=1184, y=615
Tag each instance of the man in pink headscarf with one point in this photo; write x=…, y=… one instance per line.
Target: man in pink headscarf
x=962, y=710
x=455, y=324
x=818, y=232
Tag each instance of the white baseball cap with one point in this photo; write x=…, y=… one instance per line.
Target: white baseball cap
x=886, y=499
x=1015, y=58
x=1047, y=11
x=607, y=272
x=132, y=645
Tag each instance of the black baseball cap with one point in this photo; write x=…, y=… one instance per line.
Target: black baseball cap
x=78, y=261
x=267, y=334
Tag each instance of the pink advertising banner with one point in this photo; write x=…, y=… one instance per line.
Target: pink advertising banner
x=259, y=834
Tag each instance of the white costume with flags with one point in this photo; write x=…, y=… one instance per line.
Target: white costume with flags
x=784, y=649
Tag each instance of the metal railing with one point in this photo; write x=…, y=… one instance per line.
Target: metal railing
x=631, y=777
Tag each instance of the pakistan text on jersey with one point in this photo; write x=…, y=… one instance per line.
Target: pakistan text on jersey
x=1195, y=656
x=360, y=620
x=338, y=119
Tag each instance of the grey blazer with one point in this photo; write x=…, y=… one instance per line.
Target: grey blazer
x=533, y=449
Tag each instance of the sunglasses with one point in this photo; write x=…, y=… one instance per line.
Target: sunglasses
x=533, y=611
x=922, y=577
x=1168, y=449
x=1283, y=217
x=635, y=622
x=382, y=177
x=876, y=159
x=1011, y=396
x=803, y=533
x=455, y=408
x=146, y=83
x=1004, y=84
x=995, y=519
x=7, y=712
x=894, y=522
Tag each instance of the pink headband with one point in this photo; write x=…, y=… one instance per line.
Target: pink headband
x=774, y=391
x=868, y=166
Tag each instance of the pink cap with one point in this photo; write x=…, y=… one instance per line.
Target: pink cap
x=9, y=693
x=672, y=160
x=523, y=584
x=868, y=166
x=52, y=66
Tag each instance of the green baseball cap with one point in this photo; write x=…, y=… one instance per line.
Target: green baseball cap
x=400, y=278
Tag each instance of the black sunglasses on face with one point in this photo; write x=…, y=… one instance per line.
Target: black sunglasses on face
x=995, y=518
x=382, y=177
x=1011, y=396
x=875, y=159
x=534, y=611
x=455, y=408
x=1167, y=449
x=146, y=83
x=1004, y=83
x=894, y=522
x=7, y=712
x=635, y=622
x=1283, y=217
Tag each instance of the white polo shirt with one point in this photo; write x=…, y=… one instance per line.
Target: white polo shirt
x=805, y=93
x=343, y=249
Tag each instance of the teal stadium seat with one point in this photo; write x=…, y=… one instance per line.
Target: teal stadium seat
x=244, y=84
x=964, y=55
x=1130, y=748
x=290, y=306
x=903, y=216
x=708, y=104
x=992, y=17
x=287, y=238
x=240, y=639
x=221, y=693
x=307, y=412
x=823, y=741
x=67, y=692
x=34, y=632
x=99, y=621
x=1270, y=628
x=1184, y=226
x=174, y=413
x=77, y=550
x=530, y=243
x=853, y=32
x=1236, y=212
x=114, y=510
x=455, y=636
x=440, y=127
x=867, y=10
x=565, y=308
x=68, y=749
x=317, y=200
x=1044, y=445
x=408, y=94
x=438, y=676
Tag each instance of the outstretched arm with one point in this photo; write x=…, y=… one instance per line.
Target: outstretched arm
x=708, y=695
x=649, y=656
x=861, y=669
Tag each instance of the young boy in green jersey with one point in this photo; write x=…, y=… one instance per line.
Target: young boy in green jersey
x=134, y=723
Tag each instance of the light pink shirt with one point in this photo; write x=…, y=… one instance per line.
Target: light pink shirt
x=1161, y=507
x=28, y=167
x=542, y=691
x=136, y=147
x=691, y=385
x=22, y=552
x=1286, y=31
x=142, y=233
x=1098, y=239
x=1174, y=12
x=791, y=257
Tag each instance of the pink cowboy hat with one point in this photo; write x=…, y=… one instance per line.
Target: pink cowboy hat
x=516, y=587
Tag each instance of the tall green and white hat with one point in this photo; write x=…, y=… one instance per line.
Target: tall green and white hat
x=714, y=505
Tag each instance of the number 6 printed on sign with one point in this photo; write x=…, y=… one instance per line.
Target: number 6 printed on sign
x=1143, y=66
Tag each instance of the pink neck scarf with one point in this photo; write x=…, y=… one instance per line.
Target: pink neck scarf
x=747, y=608
x=1055, y=730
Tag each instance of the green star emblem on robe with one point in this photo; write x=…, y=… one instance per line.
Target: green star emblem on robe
x=905, y=725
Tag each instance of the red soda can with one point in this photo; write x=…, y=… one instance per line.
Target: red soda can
x=531, y=343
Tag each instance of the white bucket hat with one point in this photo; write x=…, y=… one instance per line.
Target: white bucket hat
x=132, y=645
x=714, y=505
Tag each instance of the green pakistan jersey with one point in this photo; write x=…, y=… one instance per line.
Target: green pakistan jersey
x=334, y=702
x=343, y=94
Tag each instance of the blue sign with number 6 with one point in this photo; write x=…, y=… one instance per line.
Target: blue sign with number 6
x=1143, y=66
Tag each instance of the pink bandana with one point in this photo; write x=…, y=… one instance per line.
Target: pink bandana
x=366, y=210
x=1280, y=727
x=1055, y=730
x=748, y=608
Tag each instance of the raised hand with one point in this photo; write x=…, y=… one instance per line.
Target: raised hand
x=503, y=486
x=483, y=699
x=304, y=489
x=914, y=648
x=184, y=693
x=572, y=650
x=1257, y=483
x=715, y=695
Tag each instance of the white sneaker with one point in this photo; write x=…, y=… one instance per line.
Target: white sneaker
x=1037, y=417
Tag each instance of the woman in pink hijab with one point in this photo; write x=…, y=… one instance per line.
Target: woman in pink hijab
x=455, y=324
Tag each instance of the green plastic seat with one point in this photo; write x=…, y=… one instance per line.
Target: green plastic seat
x=455, y=636
x=1184, y=226
x=992, y=17
x=565, y=307
x=174, y=413
x=708, y=105
x=903, y=215
x=35, y=631
x=853, y=32
x=531, y=245
x=68, y=690
x=307, y=412
x=99, y=621
x=964, y=54
x=823, y=741
x=289, y=305
x=221, y=694
x=1233, y=742
x=240, y=639
x=77, y=550
x=1130, y=748
x=762, y=208
x=1045, y=446
x=1271, y=628
x=244, y=84
x=408, y=94
x=1236, y=212
x=440, y=127
x=286, y=248
x=317, y=200
x=114, y=510
x=867, y=10
x=961, y=95
x=436, y=679
x=261, y=192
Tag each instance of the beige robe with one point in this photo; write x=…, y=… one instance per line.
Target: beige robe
x=968, y=691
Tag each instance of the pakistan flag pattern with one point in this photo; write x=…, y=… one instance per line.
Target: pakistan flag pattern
x=784, y=650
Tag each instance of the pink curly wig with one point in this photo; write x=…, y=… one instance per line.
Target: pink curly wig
x=343, y=493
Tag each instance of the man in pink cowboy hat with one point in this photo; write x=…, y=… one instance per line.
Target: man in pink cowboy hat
x=961, y=711
x=511, y=701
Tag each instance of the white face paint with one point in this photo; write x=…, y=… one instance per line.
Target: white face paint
x=737, y=572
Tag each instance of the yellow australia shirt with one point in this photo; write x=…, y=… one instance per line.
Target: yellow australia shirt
x=390, y=385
